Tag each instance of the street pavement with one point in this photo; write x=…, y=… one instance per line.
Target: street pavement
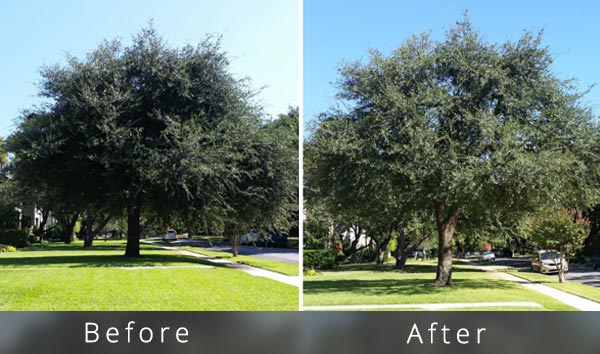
x=578, y=273
x=286, y=255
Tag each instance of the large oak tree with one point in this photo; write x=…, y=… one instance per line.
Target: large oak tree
x=149, y=129
x=463, y=126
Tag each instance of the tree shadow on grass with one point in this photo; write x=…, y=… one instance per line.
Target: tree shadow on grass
x=409, y=268
x=404, y=287
x=103, y=261
x=98, y=246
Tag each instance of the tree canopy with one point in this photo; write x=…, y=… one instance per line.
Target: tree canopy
x=458, y=128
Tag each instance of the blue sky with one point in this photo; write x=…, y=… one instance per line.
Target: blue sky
x=338, y=31
x=260, y=36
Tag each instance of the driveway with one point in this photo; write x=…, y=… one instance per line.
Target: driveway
x=578, y=273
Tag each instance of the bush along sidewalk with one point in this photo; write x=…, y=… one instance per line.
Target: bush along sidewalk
x=320, y=259
x=13, y=237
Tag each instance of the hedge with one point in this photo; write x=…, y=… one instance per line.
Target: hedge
x=320, y=259
x=13, y=237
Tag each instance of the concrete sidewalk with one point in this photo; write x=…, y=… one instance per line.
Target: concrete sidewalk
x=575, y=301
x=257, y=272
x=431, y=307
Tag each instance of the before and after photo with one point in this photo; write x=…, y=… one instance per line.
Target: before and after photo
x=299, y=156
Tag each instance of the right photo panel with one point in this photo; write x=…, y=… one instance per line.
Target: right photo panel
x=451, y=156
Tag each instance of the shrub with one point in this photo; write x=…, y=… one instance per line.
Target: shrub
x=13, y=237
x=54, y=235
x=311, y=273
x=320, y=259
x=7, y=248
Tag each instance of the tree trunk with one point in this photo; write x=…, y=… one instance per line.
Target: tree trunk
x=68, y=235
x=191, y=232
x=561, y=275
x=561, y=269
x=330, y=242
x=382, y=248
x=402, y=250
x=446, y=223
x=381, y=255
x=88, y=236
x=102, y=224
x=133, y=231
x=235, y=244
x=354, y=244
x=460, y=247
x=40, y=231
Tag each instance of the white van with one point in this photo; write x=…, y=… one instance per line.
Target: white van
x=548, y=261
x=170, y=235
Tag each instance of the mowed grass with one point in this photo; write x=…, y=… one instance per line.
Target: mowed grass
x=372, y=284
x=69, y=278
x=586, y=291
x=275, y=266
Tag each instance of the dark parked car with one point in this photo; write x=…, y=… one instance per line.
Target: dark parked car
x=277, y=240
x=503, y=253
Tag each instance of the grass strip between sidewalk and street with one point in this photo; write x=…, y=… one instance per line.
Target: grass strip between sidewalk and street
x=275, y=266
x=572, y=287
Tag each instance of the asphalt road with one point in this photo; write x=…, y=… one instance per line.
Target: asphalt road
x=286, y=255
x=581, y=274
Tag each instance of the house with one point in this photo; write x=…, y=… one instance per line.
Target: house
x=29, y=215
x=350, y=236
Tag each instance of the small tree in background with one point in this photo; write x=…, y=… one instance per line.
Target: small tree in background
x=559, y=229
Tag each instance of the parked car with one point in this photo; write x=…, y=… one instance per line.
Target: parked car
x=503, y=253
x=488, y=256
x=420, y=254
x=548, y=261
x=473, y=255
x=277, y=240
x=170, y=235
x=597, y=260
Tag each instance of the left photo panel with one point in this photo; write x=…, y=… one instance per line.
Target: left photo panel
x=149, y=156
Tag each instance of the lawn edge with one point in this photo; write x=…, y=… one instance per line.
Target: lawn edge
x=516, y=274
x=232, y=259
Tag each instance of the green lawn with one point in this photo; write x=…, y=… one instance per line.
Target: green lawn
x=215, y=239
x=371, y=284
x=67, y=277
x=589, y=292
x=280, y=267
